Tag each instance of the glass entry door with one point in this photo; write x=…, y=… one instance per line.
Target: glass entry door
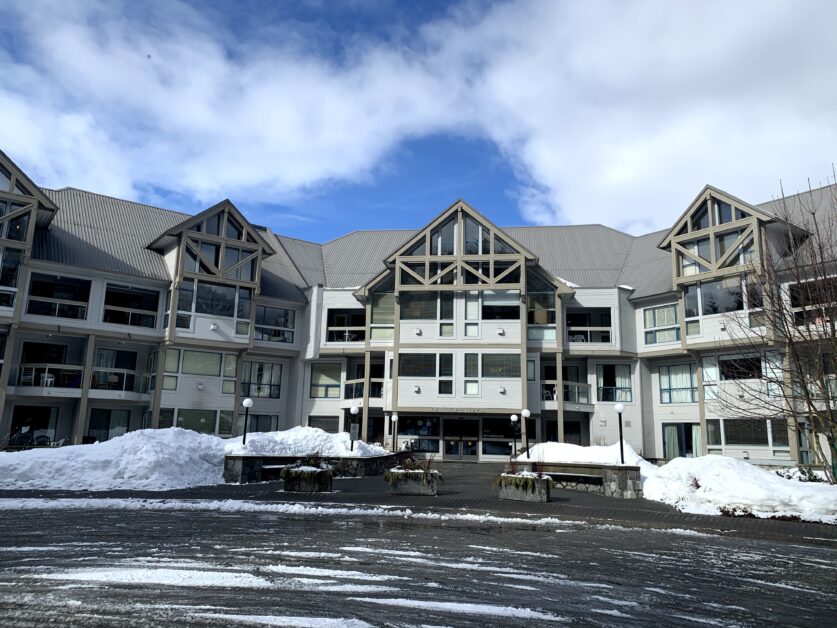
x=462, y=439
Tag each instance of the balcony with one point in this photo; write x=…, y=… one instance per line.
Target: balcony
x=353, y=389
x=48, y=375
x=346, y=334
x=577, y=393
x=589, y=325
x=116, y=379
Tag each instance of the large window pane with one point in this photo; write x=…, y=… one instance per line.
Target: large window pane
x=201, y=363
x=215, y=299
x=745, y=431
x=418, y=305
x=325, y=381
x=417, y=365
x=500, y=365
x=501, y=305
x=199, y=420
x=722, y=296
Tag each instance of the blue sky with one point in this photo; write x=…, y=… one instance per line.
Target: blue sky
x=320, y=117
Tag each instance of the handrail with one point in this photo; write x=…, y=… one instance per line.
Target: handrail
x=574, y=392
x=116, y=379
x=48, y=375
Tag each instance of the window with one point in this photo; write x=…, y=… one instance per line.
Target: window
x=201, y=363
x=724, y=295
x=472, y=373
x=530, y=370
x=130, y=306
x=275, y=324
x=661, y=324
x=198, y=420
x=501, y=305
x=346, y=325
x=215, y=299
x=259, y=423
x=417, y=365
x=745, y=431
x=9, y=273
x=234, y=255
x=442, y=238
x=261, y=379
x=330, y=424
x=614, y=382
x=63, y=297
x=678, y=384
x=418, y=306
x=325, y=381
x=500, y=365
x=445, y=373
x=106, y=424
x=700, y=218
x=734, y=368
x=541, y=308
x=476, y=237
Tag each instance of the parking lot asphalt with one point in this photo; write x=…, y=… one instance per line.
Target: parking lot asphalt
x=468, y=488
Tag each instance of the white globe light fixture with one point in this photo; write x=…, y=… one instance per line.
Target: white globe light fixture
x=354, y=410
x=247, y=403
x=620, y=408
x=394, y=419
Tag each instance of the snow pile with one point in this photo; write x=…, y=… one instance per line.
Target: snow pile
x=719, y=485
x=142, y=460
x=303, y=441
x=606, y=454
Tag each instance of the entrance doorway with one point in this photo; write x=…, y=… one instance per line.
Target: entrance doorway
x=462, y=440
x=33, y=425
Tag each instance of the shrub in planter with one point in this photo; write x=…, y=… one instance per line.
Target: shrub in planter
x=308, y=476
x=413, y=478
x=523, y=486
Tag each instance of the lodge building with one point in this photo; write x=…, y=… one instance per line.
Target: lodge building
x=117, y=316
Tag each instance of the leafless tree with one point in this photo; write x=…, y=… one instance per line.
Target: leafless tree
x=790, y=327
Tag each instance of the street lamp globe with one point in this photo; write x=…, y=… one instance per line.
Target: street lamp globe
x=354, y=410
x=619, y=407
x=247, y=403
x=525, y=414
x=514, y=418
x=394, y=418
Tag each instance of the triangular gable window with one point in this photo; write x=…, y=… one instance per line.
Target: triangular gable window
x=443, y=238
x=476, y=237
x=234, y=230
x=419, y=248
x=5, y=180
x=700, y=218
x=502, y=248
x=724, y=212
x=20, y=189
x=213, y=224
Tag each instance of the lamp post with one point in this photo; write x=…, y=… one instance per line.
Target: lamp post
x=352, y=429
x=526, y=414
x=620, y=408
x=514, y=434
x=247, y=403
x=394, y=419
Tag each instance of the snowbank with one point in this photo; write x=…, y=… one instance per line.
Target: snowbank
x=303, y=441
x=606, y=454
x=153, y=460
x=710, y=484
x=159, y=460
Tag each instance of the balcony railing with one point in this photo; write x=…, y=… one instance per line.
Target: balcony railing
x=49, y=375
x=354, y=389
x=115, y=379
x=574, y=392
x=346, y=334
x=588, y=334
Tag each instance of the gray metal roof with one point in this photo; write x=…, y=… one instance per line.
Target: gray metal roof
x=354, y=259
x=307, y=258
x=95, y=231
x=101, y=232
x=647, y=268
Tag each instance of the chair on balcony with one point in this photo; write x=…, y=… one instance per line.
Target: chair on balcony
x=47, y=380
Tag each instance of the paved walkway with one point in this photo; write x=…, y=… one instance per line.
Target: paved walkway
x=468, y=487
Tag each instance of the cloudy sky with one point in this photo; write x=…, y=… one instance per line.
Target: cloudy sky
x=317, y=118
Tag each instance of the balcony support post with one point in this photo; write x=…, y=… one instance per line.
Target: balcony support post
x=5, y=370
x=86, y=375
x=559, y=397
x=158, y=386
x=367, y=370
x=524, y=363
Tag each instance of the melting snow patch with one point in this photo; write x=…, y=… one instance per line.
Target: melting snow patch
x=464, y=608
x=169, y=577
x=595, y=454
x=331, y=573
x=291, y=622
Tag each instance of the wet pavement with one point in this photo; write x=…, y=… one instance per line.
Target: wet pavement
x=141, y=568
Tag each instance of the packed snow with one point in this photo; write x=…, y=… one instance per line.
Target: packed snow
x=713, y=484
x=142, y=460
x=595, y=454
x=710, y=485
x=303, y=441
x=159, y=460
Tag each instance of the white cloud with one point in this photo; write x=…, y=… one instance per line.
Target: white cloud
x=609, y=111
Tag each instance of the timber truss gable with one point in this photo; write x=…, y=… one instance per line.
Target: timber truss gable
x=23, y=206
x=717, y=236
x=460, y=250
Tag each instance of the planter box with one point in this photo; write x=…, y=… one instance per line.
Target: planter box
x=304, y=481
x=412, y=482
x=524, y=488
